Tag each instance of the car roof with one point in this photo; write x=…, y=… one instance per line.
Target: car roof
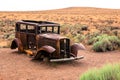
x=38, y=23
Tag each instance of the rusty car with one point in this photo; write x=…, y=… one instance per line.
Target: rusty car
x=42, y=40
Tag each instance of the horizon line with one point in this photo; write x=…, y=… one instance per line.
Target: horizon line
x=58, y=9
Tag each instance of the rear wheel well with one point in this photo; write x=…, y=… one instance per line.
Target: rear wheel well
x=14, y=45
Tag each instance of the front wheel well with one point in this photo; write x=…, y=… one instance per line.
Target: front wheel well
x=42, y=53
x=45, y=53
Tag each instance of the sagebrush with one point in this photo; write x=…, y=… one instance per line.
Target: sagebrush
x=105, y=42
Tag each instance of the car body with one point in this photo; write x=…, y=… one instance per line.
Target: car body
x=42, y=40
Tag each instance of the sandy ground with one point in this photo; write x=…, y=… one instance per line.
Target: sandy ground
x=15, y=66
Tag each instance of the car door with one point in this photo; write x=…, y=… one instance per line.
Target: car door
x=22, y=35
x=31, y=36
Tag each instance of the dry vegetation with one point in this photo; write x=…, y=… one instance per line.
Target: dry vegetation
x=79, y=23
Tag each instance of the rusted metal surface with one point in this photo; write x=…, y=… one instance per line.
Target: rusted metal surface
x=47, y=48
x=52, y=36
x=17, y=43
x=29, y=52
x=42, y=38
x=39, y=23
x=75, y=47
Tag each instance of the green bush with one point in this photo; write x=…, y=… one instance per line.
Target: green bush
x=105, y=43
x=91, y=37
x=108, y=72
x=96, y=38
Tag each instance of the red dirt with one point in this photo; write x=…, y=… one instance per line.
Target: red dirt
x=15, y=66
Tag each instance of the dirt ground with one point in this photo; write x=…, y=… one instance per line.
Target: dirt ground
x=15, y=66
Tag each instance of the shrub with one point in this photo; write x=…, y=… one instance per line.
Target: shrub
x=79, y=38
x=105, y=43
x=95, y=38
x=102, y=45
x=74, y=32
x=108, y=72
x=91, y=37
x=82, y=27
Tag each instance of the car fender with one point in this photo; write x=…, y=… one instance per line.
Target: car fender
x=75, y=47
x=16, y=43
x=47, y=48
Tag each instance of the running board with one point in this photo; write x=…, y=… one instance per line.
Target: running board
x=66, y=59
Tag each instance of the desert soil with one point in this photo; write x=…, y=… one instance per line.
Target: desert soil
x=15, y=66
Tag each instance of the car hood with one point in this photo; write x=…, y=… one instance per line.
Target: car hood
x=52, y=36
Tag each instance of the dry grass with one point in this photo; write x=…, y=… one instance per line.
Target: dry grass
x=95, y=18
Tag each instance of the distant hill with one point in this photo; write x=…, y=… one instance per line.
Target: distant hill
x=85, y=10
x=76, y=10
